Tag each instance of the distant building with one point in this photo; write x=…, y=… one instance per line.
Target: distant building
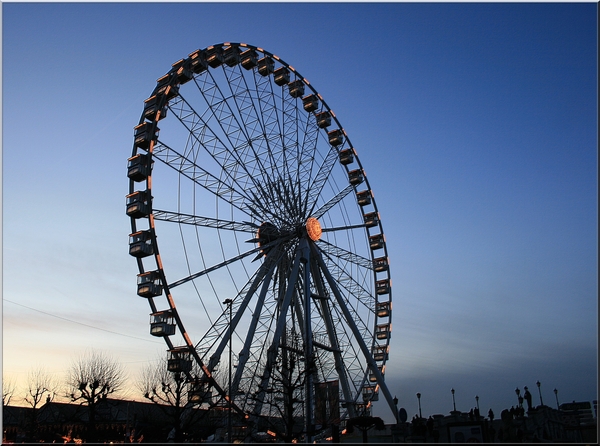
x=131, y=421
x=580, y=421
x=14, y=423
x=576, y=424
x=578, y=414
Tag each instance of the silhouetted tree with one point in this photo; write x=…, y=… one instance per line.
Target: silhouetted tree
x=91, y=379
x=171, y=392
x=8, y=390
x=41, y=388
x=285, y=396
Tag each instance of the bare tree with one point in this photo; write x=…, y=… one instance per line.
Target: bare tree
x=8, y=390
x=41, y=386
x=91, y=379
x=285, y=396
x=171, y=392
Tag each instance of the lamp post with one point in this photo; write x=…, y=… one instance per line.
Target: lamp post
x=556, y=395
x=453, y=401
x=518, y=392
x=540, y=391
x=419, y=398
x=477, y=401
x=228, y=302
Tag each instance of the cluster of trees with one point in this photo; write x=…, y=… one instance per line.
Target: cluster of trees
x=92, y=378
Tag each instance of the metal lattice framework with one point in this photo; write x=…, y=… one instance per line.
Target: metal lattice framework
x=257, y=199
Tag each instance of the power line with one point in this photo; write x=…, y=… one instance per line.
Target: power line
x=79, y=323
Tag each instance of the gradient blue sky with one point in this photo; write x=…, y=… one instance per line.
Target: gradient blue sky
x=477, y=127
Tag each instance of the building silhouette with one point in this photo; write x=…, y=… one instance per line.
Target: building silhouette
x=133, y=421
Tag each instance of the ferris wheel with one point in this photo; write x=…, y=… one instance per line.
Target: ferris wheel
x=259, y=244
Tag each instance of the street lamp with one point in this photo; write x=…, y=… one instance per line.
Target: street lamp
x=540, y=391
x=453, y=401
x=556, y=395
x=228, y=302
x=419, y=398
x=477, y=400
x=518, y=392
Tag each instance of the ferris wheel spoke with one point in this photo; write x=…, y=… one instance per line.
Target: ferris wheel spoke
x=320, y=180
x=224, y=263
x=333, y=201
x=290, y=143
x=275, y=200
x=286, y=194
x=246, y=109
x=205, y=137
x=305, y=160
x=347, y=279
x=293, y=118
x=251, y=206
x=250, y=115
x=344, y=228
x=252, y=124
x=207, y=222
x=200, y=176
x=269, y=119
x=236, y=133
x=229, y=161
x=270, y=194
x=335, y=251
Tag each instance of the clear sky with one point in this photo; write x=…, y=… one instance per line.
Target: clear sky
x=477, y=127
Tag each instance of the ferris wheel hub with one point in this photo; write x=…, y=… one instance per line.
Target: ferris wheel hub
x=267, y=232
x=313, y=229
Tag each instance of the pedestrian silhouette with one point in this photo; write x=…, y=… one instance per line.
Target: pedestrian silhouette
x=528, y=398
x=430, y=425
